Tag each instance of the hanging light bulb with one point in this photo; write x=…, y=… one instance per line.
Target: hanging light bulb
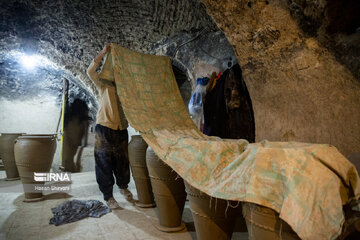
x=29, y=62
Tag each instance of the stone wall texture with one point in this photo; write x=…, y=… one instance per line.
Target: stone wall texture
x=300, y=90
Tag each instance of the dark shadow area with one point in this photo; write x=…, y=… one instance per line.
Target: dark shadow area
x=240, y=223
x=335, y=25
x=183, y=84
x=228, y=111
x=188, y=220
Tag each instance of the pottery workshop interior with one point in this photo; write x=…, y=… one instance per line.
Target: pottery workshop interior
x=180, y=119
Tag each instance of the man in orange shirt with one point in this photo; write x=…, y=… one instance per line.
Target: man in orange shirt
x=111, y=139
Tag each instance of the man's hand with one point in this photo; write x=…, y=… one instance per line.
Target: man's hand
x=107, y=48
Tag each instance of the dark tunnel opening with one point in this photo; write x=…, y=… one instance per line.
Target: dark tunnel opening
x=228, y=110
x=183, y=83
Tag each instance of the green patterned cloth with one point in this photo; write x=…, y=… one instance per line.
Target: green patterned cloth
x=307, y=184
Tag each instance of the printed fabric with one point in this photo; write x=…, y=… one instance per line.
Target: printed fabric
x=307, y=184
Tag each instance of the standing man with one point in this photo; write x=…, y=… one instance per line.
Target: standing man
x=76, y=124
x=111, y=139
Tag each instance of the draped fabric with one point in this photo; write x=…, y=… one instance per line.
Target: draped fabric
x=307, y=184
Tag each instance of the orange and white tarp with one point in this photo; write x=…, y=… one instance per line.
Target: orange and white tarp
x=307, y=184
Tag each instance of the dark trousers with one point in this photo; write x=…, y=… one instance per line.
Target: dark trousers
x=111, y=159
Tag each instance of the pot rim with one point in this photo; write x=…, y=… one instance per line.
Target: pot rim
x=37, y=136
x=12, y=133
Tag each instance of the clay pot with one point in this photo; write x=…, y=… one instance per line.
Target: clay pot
x=213, y=217
x=169, y=192
x=264, y=223
x=34, y=153
x=7, y=155
x=137, y=158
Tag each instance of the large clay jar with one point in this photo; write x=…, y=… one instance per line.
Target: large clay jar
x=169, y=192
x=137, y=158
x=34, y=153
x=214, y=218
x=264, y=223
x=7, y=154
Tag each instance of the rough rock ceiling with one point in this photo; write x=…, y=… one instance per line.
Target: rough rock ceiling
x=336, y=25
x=70, y=33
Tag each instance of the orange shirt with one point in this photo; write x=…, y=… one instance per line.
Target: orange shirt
x=110, y=113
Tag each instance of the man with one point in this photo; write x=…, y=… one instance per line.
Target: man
x=76, y=126
x=111, y=139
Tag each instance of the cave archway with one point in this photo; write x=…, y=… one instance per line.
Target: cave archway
x=31, y=93
x=235, y=119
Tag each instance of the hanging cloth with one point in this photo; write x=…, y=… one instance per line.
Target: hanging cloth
x=215, y=116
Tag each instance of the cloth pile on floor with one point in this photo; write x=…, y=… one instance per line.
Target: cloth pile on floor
x=75, y=210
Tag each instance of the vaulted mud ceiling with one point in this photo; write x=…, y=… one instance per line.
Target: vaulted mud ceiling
x=71, y=33
x=300, y=58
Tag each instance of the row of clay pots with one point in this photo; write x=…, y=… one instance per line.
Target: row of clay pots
x=156, y=182
x=212, y=217
x=24, y=154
